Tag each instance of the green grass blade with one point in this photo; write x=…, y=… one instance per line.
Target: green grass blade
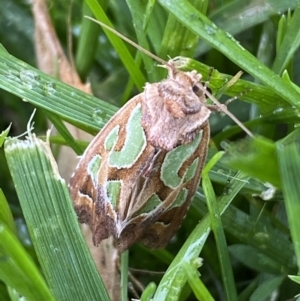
x=65, y=133
x=196, y=284
x=256, y=233
x=295, y=278
x=6, y=216
x=62, y=252
x=175, y=277
x=289, y=166
x=3, y=135
x=148, y=292
x=80, y=109
x=124, y=275
x=87, y=43
x=256, y=157
x=178, y=39
x=250, y=257
x=140, y=25
x=236, y=16
x=267, y=288
x=17, y=269
x=217, y=227
x=119, y=46
x=289, y=44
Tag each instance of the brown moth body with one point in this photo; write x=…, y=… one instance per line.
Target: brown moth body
x=137, y=177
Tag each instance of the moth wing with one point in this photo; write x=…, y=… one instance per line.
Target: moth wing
x=160, y=232
x=88, y=183
x=156, y=228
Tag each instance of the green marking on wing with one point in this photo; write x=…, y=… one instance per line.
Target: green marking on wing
x=111, y=138
x=190, y=173
x=181, y=198
x=174, y=160
x=151, y=204
x=93, y=169
x=135, y=142
x=113, y=190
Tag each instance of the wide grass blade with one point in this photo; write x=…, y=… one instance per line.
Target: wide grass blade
x=53, y=227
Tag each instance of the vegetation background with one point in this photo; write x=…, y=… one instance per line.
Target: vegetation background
x=250, y=252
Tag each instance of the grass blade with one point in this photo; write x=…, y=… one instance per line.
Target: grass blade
x=289, y=166
x=53, y=227
x=217, y=227
x=17, y=269
x=175, y=277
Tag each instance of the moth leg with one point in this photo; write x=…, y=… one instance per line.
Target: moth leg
x=237, y=96
x=217, y=108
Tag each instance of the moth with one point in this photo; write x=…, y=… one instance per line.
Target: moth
x=136, y=179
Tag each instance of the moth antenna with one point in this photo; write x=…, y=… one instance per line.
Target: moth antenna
x=158, y=59
x=228, y=113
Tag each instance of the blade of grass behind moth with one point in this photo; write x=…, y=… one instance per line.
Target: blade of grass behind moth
x=231, y=48
x=119, y=45
x=138, y=10
x=80, y=109
x=62, y=252
x=140, y=21
x=260, y=236
x=265, y=289
x=154, y=26
x=64, y=132
x=217, y=228
x=289, y=166
x=240, y=20
x=256, y=157
x=87, y=42
x=175, y=277
x=178, y=39
x=290, y=43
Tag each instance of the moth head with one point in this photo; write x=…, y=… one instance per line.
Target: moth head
x=191, y=79
x=174, y=109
